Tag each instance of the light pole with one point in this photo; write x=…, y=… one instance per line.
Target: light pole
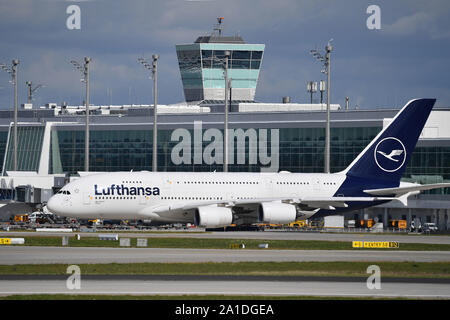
x=216, y=61
x=225, y=129
x=85, y=72
x=15, y=64
x=13, y=73
x=223, y=59
x=326, y=63
x=31, y=90
x=154, y=69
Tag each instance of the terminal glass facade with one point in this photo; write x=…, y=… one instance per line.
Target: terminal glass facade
x=29, y=146
x=3, y=139
x=300, y=150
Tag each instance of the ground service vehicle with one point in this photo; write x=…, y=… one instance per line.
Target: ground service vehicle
x=366, y=223
x=21, y=218
x=298, y=224
x=398, y=224
x=430, y=227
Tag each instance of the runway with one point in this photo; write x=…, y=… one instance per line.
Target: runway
x=74, y=255
x=266, y=235
x=209, y=286
x=223, y=285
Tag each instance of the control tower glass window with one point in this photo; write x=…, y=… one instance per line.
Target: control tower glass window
x=240, y=59
x=256, y=55
x=255, y=64
x=238, y=54
x=206, y=54
x=206, y=63
x=240, y=64
x=189, y=60
x=219, y=54
x=207, y=58
x=256, y=60
x=190, y=67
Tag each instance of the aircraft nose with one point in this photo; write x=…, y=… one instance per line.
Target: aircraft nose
x=53, y=204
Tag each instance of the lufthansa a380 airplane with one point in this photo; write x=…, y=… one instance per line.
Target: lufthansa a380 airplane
x=220, y=199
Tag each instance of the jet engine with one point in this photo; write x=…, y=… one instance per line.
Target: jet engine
x=276, y=212
x=213, y=217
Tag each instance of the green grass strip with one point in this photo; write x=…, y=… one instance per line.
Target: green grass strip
x=340, y=269
x=210, y=243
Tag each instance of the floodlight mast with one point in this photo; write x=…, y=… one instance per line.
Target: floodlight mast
x=85, y=72
x=327, y=70
x=225, y=129
x=13, y=73
x=329, y=48
x=31, y=90
x=154, y=69
x=15, y=63
x=155, y=111
x=87, y=60
x=224, y=61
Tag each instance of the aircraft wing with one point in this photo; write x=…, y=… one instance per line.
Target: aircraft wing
x=329, y=203
x=247, y=210
x=195, y=204
x=400, y=191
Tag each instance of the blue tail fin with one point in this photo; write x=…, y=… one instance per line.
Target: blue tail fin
x=386, y=157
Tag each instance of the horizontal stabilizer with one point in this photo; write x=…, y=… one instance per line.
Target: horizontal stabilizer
x=399, y=191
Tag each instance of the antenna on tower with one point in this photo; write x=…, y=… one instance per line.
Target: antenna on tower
x=219, y=26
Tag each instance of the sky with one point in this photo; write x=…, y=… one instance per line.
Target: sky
x=407, y=57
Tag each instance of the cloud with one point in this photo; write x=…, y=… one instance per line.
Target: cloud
x=115, y=33
x=431, y=20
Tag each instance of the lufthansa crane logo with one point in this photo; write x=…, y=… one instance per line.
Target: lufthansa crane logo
x=390, y=154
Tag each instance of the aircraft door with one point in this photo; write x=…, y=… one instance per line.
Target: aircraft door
x=167, y=189
x=230, y=196
x=267, y=190
x=316, y=184
x=87, y=198
x=143, y=199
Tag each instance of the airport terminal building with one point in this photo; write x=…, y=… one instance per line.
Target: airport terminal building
x=266, y=137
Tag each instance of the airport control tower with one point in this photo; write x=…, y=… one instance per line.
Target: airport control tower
x=202, y=68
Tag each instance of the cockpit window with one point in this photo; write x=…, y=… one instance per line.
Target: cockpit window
x=63, y=192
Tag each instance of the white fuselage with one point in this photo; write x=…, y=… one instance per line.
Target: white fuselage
x=161, y=196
